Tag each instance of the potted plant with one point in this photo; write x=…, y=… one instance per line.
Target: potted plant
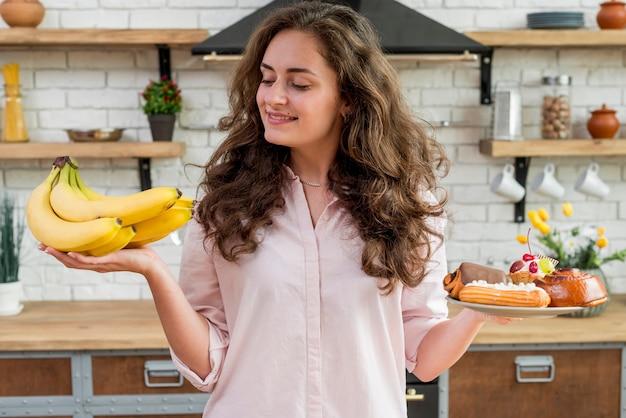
x=162, y=102
x=11, y=234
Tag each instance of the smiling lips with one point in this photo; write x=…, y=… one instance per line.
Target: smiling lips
x=279, y=117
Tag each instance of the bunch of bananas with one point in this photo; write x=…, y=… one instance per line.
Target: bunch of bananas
x=64, y=213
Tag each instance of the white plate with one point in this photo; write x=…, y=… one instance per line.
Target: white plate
x=514, y=311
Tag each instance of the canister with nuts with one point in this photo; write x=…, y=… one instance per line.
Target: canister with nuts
x=556, y=107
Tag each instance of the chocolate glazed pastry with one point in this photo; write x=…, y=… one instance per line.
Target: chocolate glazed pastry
x=467, y=273
x=573, y=287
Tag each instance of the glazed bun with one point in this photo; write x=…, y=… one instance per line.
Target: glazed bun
x=573, y=287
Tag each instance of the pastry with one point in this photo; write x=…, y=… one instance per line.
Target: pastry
x=526, y=295
x=469, y=272
x=573, y=287
x=531, y=267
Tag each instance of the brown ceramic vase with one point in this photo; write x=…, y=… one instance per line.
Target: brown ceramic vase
x=612, y=15
x=22, y=13
x=603, y=123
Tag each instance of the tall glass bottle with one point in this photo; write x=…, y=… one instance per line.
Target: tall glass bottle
x=14, y=126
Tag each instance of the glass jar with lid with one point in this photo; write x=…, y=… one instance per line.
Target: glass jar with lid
x=556, y=108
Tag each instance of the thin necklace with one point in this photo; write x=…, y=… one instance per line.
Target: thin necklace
x=314, y=184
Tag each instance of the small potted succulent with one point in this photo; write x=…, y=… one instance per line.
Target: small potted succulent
x=11, y=234
x=162, y=101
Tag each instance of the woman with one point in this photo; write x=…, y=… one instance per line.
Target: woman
x=312, y=273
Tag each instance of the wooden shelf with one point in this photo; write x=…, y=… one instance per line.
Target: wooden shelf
x=41, y=150
x=109, y=37
x=550, y=38
x=553, y=147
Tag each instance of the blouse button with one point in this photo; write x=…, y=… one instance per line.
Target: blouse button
x=326, y=217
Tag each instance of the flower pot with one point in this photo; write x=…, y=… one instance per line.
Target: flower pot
x=612, y=15
x=22, y=13
x=162, y=126
x=10, y=294
x=603, y=123
x=594, y=310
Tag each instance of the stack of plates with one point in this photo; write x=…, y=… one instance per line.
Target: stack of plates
x=555, y=20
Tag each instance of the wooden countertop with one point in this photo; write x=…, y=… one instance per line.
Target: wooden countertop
x=128, y=325
x=84, y=325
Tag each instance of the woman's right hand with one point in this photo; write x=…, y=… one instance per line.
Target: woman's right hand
x=138, y=260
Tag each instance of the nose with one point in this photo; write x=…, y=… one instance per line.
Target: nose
x=276, y=94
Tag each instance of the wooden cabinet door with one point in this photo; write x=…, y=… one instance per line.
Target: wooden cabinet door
x=35, y=377
x=124, y=375
x=586, y=383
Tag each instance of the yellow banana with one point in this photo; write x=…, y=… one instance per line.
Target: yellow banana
x=139, y=243
x=120, y=241
x=78, y=183
x=185, y=201
x=133, y=208
x=55, y=232
x=162, y=224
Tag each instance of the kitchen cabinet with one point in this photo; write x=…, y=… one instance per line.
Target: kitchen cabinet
x=91, y=359
x=161, y=39
x=88, y=359
x=555, y=383
x=558, y=368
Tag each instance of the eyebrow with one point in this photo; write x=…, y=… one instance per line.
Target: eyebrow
x=290, y=70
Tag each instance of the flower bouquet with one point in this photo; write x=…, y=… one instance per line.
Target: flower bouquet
x=581, y=246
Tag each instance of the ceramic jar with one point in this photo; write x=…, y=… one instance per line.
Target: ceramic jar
x=22, y=13
x=612, y=15
x=603, y=123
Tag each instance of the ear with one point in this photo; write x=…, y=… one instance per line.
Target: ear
x=344, y=111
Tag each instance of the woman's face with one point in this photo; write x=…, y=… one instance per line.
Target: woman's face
x=298, y=96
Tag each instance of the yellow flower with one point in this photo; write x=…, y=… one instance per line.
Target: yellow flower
x=602, y=242
x=544, y=228
x=534, y=218
x=543, y=214
x=522, y=239
x=568, y=210
x=601, y=230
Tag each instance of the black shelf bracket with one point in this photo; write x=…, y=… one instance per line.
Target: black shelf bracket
x=485, y=77
x=144, y=173
x=521, y=175
x=165, y=69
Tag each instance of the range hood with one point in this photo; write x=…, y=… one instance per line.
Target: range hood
x=402, y=30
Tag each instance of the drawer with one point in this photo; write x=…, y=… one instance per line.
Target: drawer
x=578, y=383
x=127, y=375
x=35, y=377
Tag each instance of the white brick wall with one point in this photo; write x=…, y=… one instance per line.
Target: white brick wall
x=88, y=87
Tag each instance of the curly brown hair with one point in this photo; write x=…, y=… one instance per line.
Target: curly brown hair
x=384, y=165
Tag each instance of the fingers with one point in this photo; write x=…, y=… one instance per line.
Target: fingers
x=502, y=320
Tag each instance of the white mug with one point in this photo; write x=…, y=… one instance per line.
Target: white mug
x=505, y=184
x=590, y=183
x=545, y=183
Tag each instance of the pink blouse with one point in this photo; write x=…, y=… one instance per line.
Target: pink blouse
x=298, y=330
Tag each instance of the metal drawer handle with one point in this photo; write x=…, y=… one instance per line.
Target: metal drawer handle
x=413, y=396
x=161, y=368
x=534, y=364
